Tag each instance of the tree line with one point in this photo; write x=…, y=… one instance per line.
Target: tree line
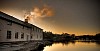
x=69, y=37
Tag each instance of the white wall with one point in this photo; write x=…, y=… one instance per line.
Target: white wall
x=17, y=28
x=13, y=28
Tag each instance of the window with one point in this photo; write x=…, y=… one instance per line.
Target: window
x=22, y=35
x=39, y=30
x=33, y=28
x=16, y=35
x=36, y=29
x=31, y=36
x=9, y=23
x=8, y=34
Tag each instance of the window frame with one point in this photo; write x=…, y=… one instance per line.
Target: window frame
x=9, y=34
x=22, y=36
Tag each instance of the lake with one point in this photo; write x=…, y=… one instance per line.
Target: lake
x=73, y=46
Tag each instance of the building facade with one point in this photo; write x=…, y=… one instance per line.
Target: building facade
x=12, y=29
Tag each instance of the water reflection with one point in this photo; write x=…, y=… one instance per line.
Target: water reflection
x=74, y=46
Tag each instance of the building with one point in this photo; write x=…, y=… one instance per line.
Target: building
x=12, y=30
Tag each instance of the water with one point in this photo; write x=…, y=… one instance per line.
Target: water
x=73, y=46
x=61, y=46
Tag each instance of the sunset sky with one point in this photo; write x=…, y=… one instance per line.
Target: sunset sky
x=68, y=16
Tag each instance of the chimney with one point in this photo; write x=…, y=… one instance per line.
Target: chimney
x=26, y=20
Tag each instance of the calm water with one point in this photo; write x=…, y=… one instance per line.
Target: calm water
x=73, y=46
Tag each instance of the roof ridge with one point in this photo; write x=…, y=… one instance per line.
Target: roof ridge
x=12, y=18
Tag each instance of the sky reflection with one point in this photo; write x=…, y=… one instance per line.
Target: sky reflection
x=78, y=46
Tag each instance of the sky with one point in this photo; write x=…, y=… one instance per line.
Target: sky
x=69, y=16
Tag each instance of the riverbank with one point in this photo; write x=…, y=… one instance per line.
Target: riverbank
x=24, y=46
